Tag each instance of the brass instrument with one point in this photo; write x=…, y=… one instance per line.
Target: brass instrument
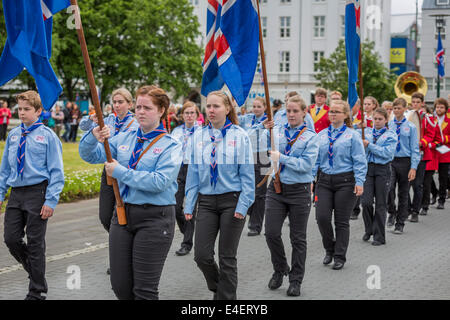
x=408, y=83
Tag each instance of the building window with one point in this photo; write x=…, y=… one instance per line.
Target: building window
x=317, y=55
x=285, y=59
x=264, y=26
x=319, y=27
x=263, y=1
x=447, y=84
x=285, y=27
x=442, y=2
x=285, y=1
x=194, y=2
x=343, y=27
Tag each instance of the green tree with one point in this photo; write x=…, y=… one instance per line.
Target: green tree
x=378, y=81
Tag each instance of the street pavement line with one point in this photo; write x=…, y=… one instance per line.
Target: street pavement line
x=59, y=256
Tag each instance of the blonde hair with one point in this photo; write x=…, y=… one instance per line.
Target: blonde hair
x=32, y=97
x=346, y=109
x=228, y=104
x=124, y=93
x=189, y=104
x=262, y=100
x=336, y=92
x=299, y=101
x=374, y=101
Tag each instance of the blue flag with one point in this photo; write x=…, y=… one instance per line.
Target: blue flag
x=352, y=47
x=440, y=57
x=231, y=52
x=29, y=44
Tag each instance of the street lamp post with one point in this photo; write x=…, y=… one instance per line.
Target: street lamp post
x=440, y=24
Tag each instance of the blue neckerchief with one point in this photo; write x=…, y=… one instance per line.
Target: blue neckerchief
x=119, y=123
x=332, y=141
x=255, y=121
x=377, y=134
x=288, y=148
x=138, y=147
x=22, y=145
x=399, y=124
x=213, y=166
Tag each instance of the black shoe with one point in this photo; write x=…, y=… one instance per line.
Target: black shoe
x=108, y=271
x=398, y=230
x=440, y=206
x=294, y=289
x=391, y=220
x=433, y=200
x=354, y=216
x=377, y=243
x=424, y=212
x=328, y=259
x=366, y=237
x=276, y=281
x=414, y=217
x=34, y=298
x=253, y=233
x=338, y=265
x=182, y=251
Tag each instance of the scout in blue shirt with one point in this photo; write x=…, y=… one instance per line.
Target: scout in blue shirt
x=32, y=165
x=147, y=162
x=404, y=165
x=184, y=135
x=343, y=167
x=221, y=176
x=380, y=143
x=296, y=154
x=253, y=124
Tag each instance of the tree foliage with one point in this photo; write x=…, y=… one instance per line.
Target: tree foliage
x=378, y=81
x=130, y=42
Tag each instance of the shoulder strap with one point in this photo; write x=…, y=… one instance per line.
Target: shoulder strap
x=131, y=122
x=150, y=145
x=295, y=140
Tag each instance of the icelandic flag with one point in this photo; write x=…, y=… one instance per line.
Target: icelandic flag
x=231, y=52
x=440, y=57
x=29, y=44
x=352, y=46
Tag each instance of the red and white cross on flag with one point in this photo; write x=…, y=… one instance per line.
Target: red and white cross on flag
x=50, y=7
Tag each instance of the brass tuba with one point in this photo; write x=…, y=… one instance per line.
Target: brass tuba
x=408, y=83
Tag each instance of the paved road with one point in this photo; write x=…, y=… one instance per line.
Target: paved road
x=414, y=265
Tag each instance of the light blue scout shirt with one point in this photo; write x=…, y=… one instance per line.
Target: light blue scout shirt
x=254, y=130
x=409, y=144
x=43, y=161
x=383, y=150
x=348, y=151
x=155, y=179
x=299, y=164
x=182, y=135
x=87, y=124
x=235, y=167
x=280, y=119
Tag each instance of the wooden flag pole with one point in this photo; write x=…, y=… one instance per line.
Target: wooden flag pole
x=277, y=182
x=94, y=94
x=361, y=97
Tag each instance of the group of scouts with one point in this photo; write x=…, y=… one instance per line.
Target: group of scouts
x=214, y=176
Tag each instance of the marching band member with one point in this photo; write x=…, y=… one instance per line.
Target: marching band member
x=184, y=134
x=343, y=167
x=426, y=129
x=380, y=144
x=32, y=166
x=252, y=123
x=319, y=110
x=146, y=165
x=221, y=176
x=441, y=107
x=404, y=165
x=297, y=154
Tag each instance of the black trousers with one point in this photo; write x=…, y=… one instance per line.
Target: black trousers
x=186, y=227
x=335, y=193
x=22, y=217
x=3, y=130
x=376, y=186
x=138, y=251
x=443, y=179
x=294, y=202
x=107, y=202
x=427, y=182
x=417, y=185
x=257, y=209
x=357, y=208
x=216, y=215
x=399, y=174
x=73, y=132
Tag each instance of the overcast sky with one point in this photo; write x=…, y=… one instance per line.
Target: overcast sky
x=405, y=6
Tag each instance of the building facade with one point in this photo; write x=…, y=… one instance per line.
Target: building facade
x=429, y=36
x=298, y=33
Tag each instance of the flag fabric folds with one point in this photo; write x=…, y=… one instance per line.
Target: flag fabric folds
x=352, y=46
x=231, y=52
x=440, y=57
x=29, y=43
